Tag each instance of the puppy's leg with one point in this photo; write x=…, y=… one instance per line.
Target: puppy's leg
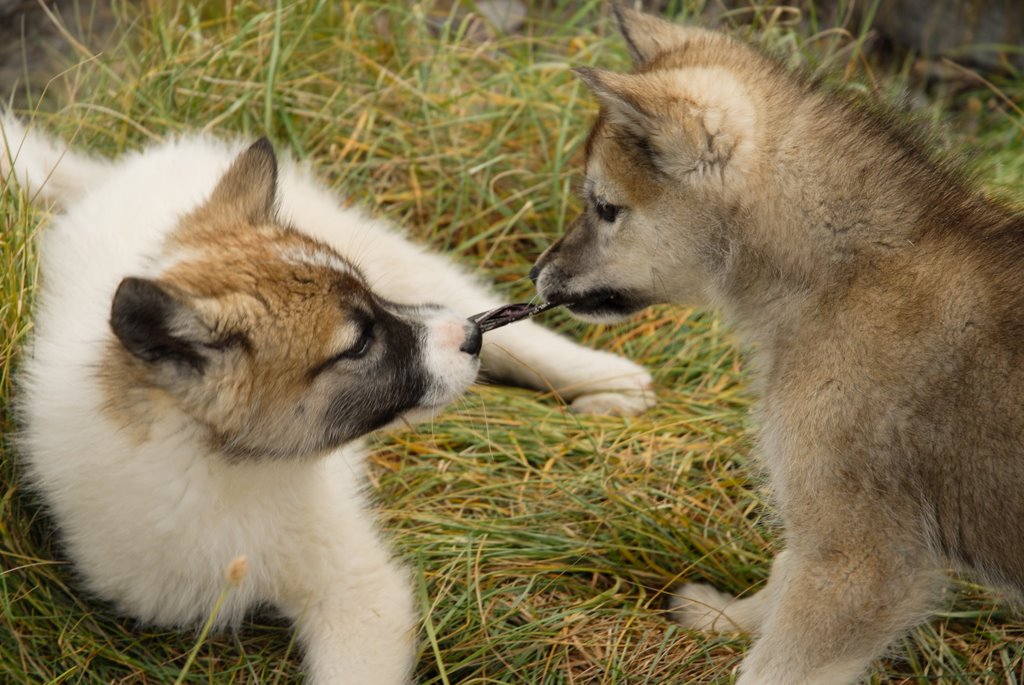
x=360, y=634
x=353, y=607
x=832, y=612
x=702, y=607
x=594, y=382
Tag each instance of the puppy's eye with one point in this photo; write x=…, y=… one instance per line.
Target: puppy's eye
x=607, y=212
x=360, y=347
x=358, y=350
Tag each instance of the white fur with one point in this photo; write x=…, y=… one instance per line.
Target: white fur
x=154, y=527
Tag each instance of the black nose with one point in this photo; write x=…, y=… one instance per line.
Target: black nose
x=473, y=342
x=535, y=272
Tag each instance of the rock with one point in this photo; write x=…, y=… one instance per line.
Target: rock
x=506, y=16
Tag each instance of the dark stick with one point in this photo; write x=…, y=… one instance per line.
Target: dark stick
x=506, y=314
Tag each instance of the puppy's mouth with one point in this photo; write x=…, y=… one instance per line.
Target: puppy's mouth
x=605, y=304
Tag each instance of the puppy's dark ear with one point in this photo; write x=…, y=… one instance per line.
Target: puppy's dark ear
x=646, y=35
x=156, y=327
x=248, y=190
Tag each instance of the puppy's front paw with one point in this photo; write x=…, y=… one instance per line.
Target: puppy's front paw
x=702, y=607
x=614, y=403
x=610, y=385
x=591, y=381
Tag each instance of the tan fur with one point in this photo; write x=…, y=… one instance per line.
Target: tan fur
x=882, y=298
x=273, y=303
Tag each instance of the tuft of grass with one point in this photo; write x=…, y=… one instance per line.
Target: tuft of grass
x=543, y=543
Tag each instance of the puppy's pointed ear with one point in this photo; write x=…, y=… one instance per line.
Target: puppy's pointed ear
x=647, y=35
x=678, y=136
x=622, y=98
x=157, y=327
x=248, y=190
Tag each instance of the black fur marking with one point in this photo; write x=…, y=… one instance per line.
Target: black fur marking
x=605, y=301
x=141, y=317
x=601, y=301
x=391, y=384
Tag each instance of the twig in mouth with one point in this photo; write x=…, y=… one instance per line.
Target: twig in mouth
x=506, y=314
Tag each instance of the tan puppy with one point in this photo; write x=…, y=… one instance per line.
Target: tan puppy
x=883, y=299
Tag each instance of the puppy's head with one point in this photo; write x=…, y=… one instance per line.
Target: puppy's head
x=666, y=165
x=270, y=341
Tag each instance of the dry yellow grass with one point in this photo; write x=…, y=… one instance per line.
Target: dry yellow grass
x=542, y=542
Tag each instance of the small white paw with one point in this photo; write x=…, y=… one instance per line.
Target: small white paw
x=702, y=607
x=614, y=403
x=614, y=386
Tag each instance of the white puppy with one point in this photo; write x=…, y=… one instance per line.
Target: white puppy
x=213, y=335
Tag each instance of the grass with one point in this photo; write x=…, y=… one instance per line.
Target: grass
x=542, y=542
